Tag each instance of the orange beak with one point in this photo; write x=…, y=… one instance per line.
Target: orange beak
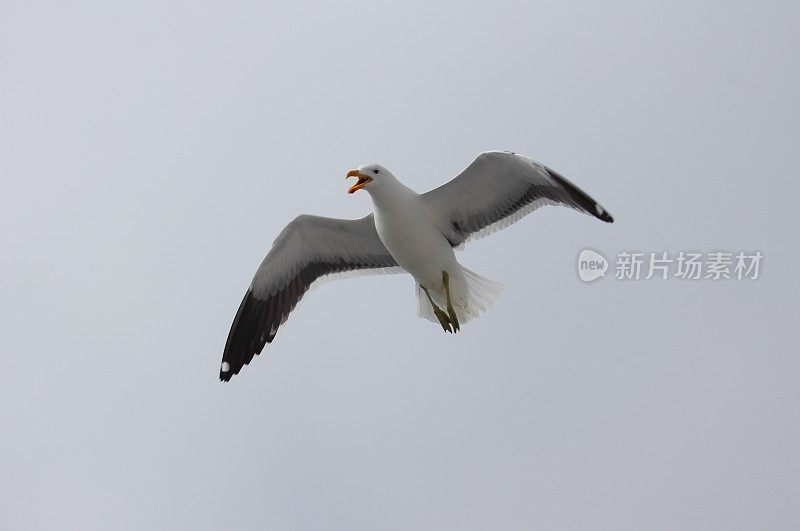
x=363, y=180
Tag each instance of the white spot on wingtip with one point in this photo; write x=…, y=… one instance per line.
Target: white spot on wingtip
x=226, y=366
x=599, y=209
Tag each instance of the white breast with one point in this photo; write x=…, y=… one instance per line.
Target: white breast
x=413, y=239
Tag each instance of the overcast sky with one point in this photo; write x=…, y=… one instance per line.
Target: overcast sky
x=150, y=152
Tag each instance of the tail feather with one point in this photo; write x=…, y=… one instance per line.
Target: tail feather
x=482, y=293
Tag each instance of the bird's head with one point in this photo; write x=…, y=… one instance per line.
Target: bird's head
x=370, y=176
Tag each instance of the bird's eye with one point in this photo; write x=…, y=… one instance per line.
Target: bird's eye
x=375, y=171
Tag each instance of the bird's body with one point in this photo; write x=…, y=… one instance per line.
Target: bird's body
x=406, y=228
x=407, y=232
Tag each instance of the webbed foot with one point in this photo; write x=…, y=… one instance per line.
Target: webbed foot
x=451, y=312
x=443, y=318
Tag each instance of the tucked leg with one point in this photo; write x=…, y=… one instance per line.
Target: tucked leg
x=450, y=310
x=444, y=320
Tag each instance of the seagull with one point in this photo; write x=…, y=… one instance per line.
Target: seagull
x=407, y=232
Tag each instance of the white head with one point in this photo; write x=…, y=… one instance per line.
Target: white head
x=371, y=177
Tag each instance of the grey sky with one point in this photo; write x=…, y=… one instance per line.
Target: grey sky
x=150, y=152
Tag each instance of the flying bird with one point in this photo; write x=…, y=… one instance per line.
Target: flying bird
x=407, y=232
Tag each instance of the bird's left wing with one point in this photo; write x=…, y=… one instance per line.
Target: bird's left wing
x=308, y=249
x=500, y=188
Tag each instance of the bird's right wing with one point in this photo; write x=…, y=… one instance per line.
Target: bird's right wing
x=308, y=249
x=500, y=188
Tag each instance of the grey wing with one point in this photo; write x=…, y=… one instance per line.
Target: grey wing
x=308, y=249
x=500, y=188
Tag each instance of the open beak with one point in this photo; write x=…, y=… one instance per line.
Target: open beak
x=363, y=180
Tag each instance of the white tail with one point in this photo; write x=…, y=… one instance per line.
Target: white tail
x=481, y=294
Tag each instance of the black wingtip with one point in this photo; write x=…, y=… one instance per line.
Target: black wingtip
x=225, y=372
x=248, y=336
x=581, y=198
x=240, y=338
x=602, y=214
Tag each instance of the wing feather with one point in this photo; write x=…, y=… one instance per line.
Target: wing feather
x=498, y=189
x=307, y=250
